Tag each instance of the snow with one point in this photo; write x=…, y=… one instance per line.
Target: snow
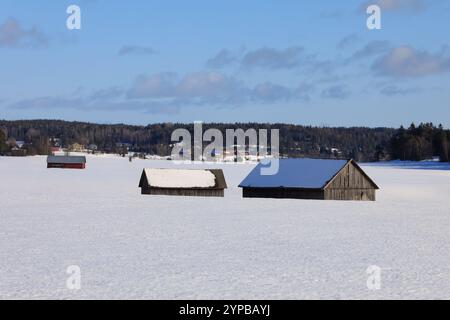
x=296, y=173
x=180, y=178
x=132, y=246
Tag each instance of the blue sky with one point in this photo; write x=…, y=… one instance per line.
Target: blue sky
x=303, y=62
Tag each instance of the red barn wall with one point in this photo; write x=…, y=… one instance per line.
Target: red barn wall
x=67, y=165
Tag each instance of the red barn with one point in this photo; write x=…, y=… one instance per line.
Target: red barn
x=66, y=162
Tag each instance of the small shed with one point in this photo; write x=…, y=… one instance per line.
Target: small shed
x=17, y=152
x=319, y=179
x=183, y=182
x=66, y=162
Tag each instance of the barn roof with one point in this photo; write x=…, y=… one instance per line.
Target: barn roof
x=296, y=173
x=66, y=159
x=183, y=179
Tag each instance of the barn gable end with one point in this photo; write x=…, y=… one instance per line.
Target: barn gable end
x=350, y=183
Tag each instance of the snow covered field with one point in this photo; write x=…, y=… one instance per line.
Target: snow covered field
x=157, y=247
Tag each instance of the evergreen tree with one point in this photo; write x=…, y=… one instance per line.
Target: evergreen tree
x=3, y=145
x=443, y=147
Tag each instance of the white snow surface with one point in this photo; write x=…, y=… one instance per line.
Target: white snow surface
x=132, y=246
x=180, y=178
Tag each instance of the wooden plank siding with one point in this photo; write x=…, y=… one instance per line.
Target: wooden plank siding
x=350, y=184
x=350, y=194
x=183, y=192
x=66, y=166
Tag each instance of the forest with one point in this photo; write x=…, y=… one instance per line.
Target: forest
x=424, y=141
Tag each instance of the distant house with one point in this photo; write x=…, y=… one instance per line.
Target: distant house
x=92, y=147
x=66, y=162
x=122, y=148
x=20, y=144
x=76, y=147
x=15, y=144
x=311, y=179
x=54, y=149
x=125, y=145
x=17, y=152
x=181, y=182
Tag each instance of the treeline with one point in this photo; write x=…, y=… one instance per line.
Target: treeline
x=421, y=142
x=360, y=143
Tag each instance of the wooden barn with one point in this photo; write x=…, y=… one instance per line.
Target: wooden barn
x=66, y=162
x=183, y=182
x=311, y=179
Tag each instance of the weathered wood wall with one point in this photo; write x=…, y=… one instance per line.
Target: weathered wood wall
x=184, y=192
x=350, y=184
x=350, y=194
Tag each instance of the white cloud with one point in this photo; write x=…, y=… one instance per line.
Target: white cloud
x=336, y=92
x=87, y=104
x=371, y=49
x=137, y=50
x=12, y=34
x=159, y=85
x=398, y=5
x=167, y=93
x=405, y=61
x=348, y=41
x=207, y=87
x=221, y=59
x=293, y=58
x=271, y=92
x=273, y=58
x=393, y=90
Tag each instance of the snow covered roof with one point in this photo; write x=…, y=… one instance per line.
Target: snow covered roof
x=296, y=173
x=183, y=179
x=66, y=159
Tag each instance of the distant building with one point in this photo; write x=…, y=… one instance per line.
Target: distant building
x=66, y=162
x=311, y=179
x=124, y=145
x=20, y=144
x=76, y=147
x=122, y=148
x=15, y=144
x=181, y=182
x=17, y=152
x=92, y=147
x=55, y=149
x=336, y=152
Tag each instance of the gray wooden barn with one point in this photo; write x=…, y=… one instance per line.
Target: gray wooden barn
x=320, y=179
x=183, y=182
